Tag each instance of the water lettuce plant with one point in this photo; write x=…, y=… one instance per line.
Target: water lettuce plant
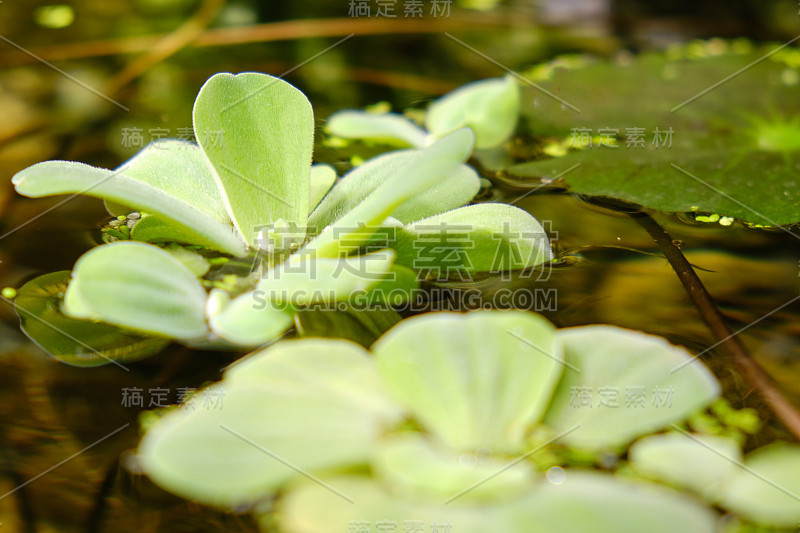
x=488, y=420
x=187, y=211
x=489, y=107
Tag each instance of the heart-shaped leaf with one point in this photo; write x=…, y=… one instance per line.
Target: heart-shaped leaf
x=620, y=384
x=490, y=107
x=476, y=380
x=258, y=132
x=137, y=286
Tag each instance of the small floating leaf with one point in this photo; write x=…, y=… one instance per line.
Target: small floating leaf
x=767, y=489
x=698, y=462
x=486, y=237
x=76, y=342
x=490, y=107
x=621, y=384
x=138, y=286
x=387, y=128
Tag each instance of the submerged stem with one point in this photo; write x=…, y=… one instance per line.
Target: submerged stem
x=750, y=369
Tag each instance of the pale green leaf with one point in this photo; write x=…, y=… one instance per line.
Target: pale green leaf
x=453, y=190
x=601, y=503
x=298, y=407
x=486, y=237
x=633, y=383
x=257, y=131
x=251, y=320
x=321, y=180
x=179, y=169
x=426, y=169
x=411, y=465
x=65, y=177
x=766, y=488
x=388, y=128
x=196, y=263
x=475, y=380
x=303, y=280
x=698, y=462
x=311, y=508
x=137, y=286
x=490, y=107
x=75, y=342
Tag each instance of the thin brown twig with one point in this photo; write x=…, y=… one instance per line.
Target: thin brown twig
x=711, y=315
x=262, y=33
x=171, y=44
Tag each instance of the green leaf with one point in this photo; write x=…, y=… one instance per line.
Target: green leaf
x=399, y=286
x=602, y=503
x=251, y=320
x=137, y=286
x=427, y=168
x=454, y=190
x=180, y=169
x=297, y=407
x=196, y=263
x=486, y=237
x=490, y=107
x=310, y=508
x=303, y=280
x=476, y=380
x=633, y=384
x=387, y=128
x=411, y=465
x=322, y=179
x=585, y=501
x=257, y=131
x=65, y=177
x=75, y=342
x=698, y=462
x=362, y=326
x=766, y=490
x=734, y=152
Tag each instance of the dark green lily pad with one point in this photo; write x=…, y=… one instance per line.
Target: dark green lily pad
x=75, y=342
x=682, y=139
